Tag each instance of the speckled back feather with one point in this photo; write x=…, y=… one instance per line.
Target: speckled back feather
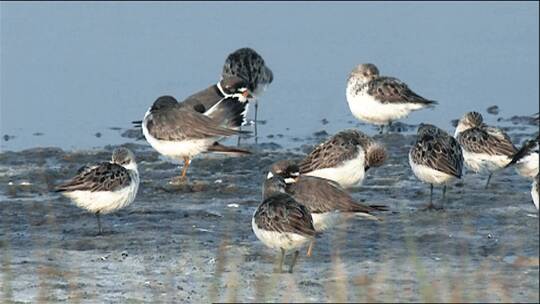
x=101, y=177
x=281, y=213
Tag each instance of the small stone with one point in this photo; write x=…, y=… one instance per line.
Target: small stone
x=321, y=133
x=494, y=110
x=98, y=134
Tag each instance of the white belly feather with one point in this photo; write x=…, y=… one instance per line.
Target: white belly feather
x=484, y=163
x=349, y=174
x=366, y=108
x=105, y=201
x=277, y=240
x=178, y=149
x=528, y=166
x=326, y=220
x=429, y=175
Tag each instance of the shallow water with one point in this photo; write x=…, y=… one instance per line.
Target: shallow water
x=194, y=243
x=76, y=88
x=70, y=72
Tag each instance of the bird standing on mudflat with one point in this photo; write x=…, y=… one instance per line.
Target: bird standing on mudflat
x=282, y=223
x=485, y=149
x=435, y=158
x=379, y=99
x=178, y=132
x=105, y=187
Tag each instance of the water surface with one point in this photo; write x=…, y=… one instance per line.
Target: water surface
x=71, y=70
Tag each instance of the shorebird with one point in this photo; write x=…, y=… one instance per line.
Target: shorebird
x=485, y=149
x=534, y=191
x=247, y=64
x=526, y=158
x=282, y=223
x=325, y=199
x=105, y=187
x=379, y=99
x=435, y=158
x=344, y=158
x=180, y=133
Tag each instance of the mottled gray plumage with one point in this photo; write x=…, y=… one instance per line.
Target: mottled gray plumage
x=281, y=213
x=382, y=88
x=321, y=195
x=100, y=177
x=437, y=150
x=488, y=140
x=393, y=90
x=168, y=120
x=247, y=64
x=340, y=148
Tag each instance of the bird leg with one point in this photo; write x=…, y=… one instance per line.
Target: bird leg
x=443, y=196
x=431, y=206
x=280, y=262
x=489, y=178
x=187, y=161
x=256, y=107
x=444, y=192
x=239, y=137
x=100, y=231
x=182, y=178
x=293, y=262
x=310, y=248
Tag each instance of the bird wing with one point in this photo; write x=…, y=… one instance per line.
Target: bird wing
x=180, y=124
x=392, y=90
x=282, y=213
x=321, y=195
x=101, y=177
x=329, y=154
x=486, y=140
x=441, y=153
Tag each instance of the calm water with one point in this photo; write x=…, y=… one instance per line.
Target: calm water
x=70, y=70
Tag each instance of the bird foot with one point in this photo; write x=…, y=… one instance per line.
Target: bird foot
x=178, y=180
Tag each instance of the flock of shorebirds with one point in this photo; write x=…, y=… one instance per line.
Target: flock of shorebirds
x=302, y=199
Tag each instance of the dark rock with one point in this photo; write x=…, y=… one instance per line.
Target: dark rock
x=322, y=133
x=494, y=110
x=135, y=133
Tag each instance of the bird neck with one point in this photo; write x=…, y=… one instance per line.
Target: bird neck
x=221, y=91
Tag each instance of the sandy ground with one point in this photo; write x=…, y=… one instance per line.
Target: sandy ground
x=194, y=243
